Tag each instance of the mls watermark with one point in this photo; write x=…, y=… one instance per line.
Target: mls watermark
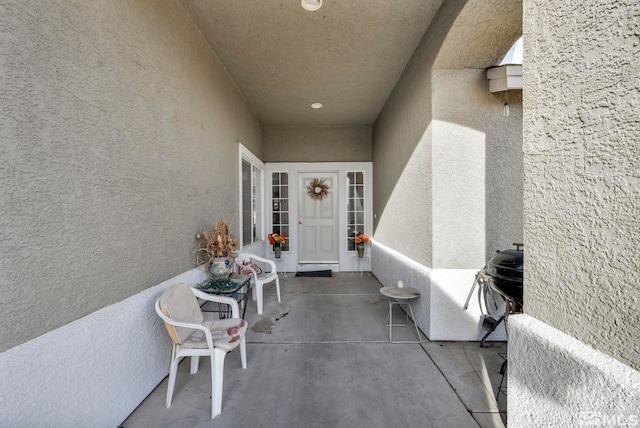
x=602, y=419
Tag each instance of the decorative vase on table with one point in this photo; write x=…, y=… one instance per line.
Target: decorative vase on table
x=360, y=248
x=220, y=266
x=277, y=250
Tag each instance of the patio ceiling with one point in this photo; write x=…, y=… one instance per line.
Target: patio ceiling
x=348, y=55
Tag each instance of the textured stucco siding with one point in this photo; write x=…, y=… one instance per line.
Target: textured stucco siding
x=582, y=171
x=504, y=174
x=317, y=143
x=557, y=381
x=92, y=372
x=483, y=33
x=390, y=266
x=402, y=150
x=118, y=140
x=448, y=176
x=443, y=292
x=477, y=169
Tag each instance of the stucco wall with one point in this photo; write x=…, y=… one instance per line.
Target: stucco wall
x=118, y=133
x=92, y=372
x=433, y=142
x=443, y=293
x=503, y=174
x=317, y=143
x=582, y=171
x=557, y=381
x=477, y=169
x=448, y=164
x=402, y=150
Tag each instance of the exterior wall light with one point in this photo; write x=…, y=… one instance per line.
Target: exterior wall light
x=311, y=5
x=505, y=77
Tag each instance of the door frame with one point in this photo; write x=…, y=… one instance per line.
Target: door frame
x=334, y=193
x=289, y=261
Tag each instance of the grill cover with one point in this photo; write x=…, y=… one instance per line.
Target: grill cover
x=505, y=271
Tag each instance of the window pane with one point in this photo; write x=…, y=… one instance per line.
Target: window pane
x=350, y=177
x=246, y=203
x=257, y=204
x=355, y=206
x=280, y=204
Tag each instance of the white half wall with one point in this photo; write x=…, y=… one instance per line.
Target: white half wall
x=92, y=372
x=443, y=292
x=556, y=380
x=389, y=266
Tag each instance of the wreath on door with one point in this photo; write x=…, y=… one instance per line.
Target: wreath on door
x=318, y=189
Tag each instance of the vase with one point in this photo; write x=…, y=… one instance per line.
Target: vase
x=277, y=250
x=360, y=248
x=220, y=266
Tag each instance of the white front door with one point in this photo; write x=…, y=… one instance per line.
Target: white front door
x=318, y=218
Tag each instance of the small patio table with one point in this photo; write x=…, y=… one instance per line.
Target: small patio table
x=401, y=296
x=237, y=283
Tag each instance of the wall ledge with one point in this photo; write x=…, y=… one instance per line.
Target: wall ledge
x=556, y=380
x=93, y=371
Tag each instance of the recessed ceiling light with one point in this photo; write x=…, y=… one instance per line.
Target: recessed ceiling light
x=311, y=5
x=316, y=105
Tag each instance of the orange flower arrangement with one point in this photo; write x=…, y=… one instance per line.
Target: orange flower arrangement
x=361, y=238
x=276, y=238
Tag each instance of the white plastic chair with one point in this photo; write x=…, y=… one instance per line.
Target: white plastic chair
x=193, y=337
x=258, y=280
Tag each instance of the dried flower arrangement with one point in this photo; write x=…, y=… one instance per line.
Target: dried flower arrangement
x=217, y=243
x=318, y=189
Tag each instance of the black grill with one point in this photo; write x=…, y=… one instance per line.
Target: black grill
x=505, y=273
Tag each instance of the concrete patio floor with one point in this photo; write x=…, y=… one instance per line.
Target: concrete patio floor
x=322, y=358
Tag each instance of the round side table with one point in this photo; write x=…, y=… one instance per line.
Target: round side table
x=401, y=296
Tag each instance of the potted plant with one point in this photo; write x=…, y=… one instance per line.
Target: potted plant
x=360, y=239
x=216, y=250
x=277, y=240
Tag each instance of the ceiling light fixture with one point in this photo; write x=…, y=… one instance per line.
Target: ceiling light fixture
x=316, y=105
x=311, y=5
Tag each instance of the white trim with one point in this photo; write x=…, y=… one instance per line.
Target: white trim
x=269, y=191
x=290, y=262
x=366, y=198
x=246, y=154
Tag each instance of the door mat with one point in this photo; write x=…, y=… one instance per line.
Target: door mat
x=323, y=273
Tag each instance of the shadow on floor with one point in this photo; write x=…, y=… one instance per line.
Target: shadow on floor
x=322, y=358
